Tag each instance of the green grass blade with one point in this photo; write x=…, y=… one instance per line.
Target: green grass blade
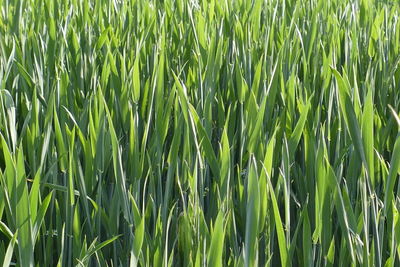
x=214, y=257
x=9, y=252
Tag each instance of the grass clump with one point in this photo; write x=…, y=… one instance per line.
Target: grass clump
x=199, y=133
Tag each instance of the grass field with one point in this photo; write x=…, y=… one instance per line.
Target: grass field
x=199, y=133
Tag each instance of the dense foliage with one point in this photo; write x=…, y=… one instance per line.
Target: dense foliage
x=199, y=133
